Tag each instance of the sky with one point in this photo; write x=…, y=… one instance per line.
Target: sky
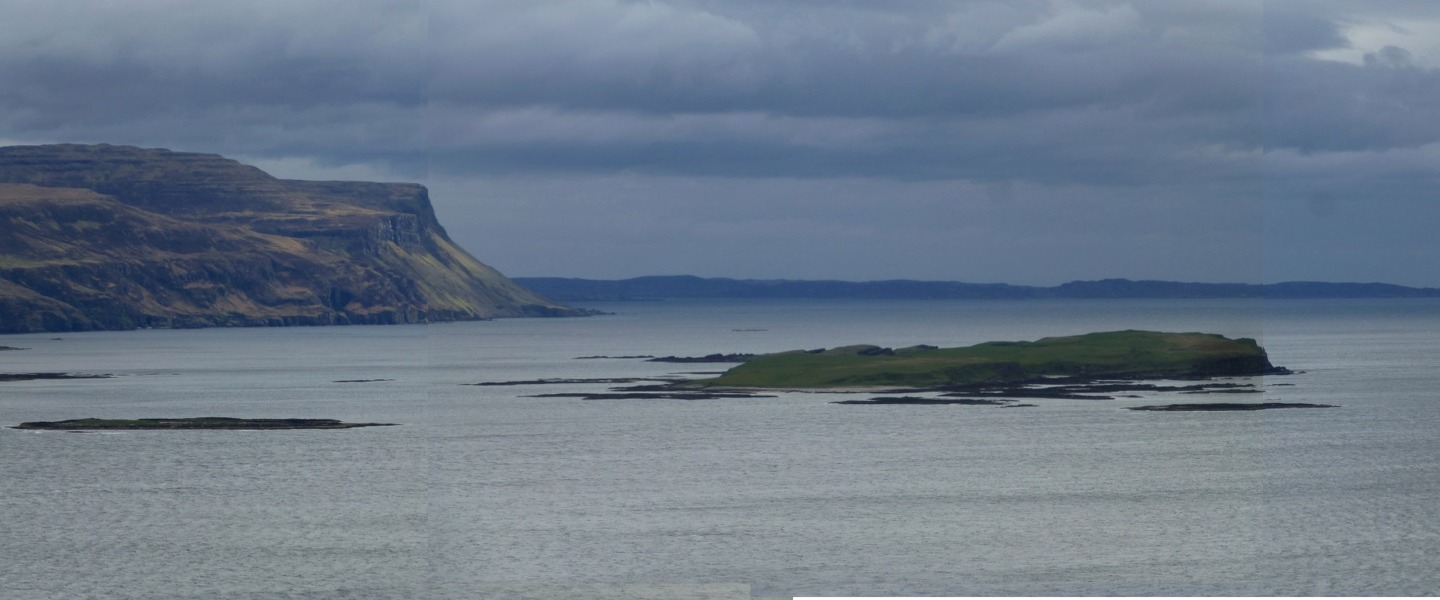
x=1019, y=141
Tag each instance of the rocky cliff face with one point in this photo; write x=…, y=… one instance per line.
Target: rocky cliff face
x=112, y=237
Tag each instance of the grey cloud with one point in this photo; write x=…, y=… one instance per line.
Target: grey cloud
x=558, y=52
x=1290, y=29
x=1327, y=106
x=1122, y=146
x=1031, y=90
x=1184, y=111
x=259, y=78
x=895, y=64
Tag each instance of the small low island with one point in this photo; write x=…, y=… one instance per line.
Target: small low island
x=191, y=423
x=1085, y=358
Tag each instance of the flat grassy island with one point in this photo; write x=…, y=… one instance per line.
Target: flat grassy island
x=193, y=423
x=1127, y=354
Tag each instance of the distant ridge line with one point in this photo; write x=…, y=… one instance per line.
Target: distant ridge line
x=566, y=289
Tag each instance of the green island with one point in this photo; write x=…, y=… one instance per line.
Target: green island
x=1127, y=354
x=192, y=423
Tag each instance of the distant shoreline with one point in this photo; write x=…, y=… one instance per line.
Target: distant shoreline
x=565, y=289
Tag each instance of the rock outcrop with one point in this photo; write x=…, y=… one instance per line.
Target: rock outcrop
x=93, y=424
x=115, y=237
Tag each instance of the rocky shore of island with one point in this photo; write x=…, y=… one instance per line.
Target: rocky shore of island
x=1100, y=366
x=1228, y=406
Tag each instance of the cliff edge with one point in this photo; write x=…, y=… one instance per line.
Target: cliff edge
x=118, y=237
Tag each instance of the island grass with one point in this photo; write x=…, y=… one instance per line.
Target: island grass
x=1116, y=354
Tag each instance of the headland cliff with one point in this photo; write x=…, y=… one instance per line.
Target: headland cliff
x=97, y=237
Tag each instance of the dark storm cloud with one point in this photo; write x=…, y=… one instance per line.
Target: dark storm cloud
x=977, y=58
x=1121, y=145
x=317, y=79
x=1094, y=91
x=1323, y=106
x=661, y=84
x=950, y=90
x=1123, y=116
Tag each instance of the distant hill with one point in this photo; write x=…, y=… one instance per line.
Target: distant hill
x=685, y=286
x=117, y=237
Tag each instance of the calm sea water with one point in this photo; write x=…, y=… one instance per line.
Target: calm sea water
x=484, y=492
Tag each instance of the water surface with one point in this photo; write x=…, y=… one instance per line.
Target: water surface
x=484, y=491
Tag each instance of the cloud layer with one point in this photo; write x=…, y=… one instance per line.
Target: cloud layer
x=1047, y=139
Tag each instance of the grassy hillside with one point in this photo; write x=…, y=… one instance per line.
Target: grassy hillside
x=1109, y=354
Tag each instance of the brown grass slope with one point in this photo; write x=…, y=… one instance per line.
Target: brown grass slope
x=112, y=237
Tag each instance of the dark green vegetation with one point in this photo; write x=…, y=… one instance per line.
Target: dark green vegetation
x=193, y=423
x=114, y=237
x=687, y=286
x=1110, y=355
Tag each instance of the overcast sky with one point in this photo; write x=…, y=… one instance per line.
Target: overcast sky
x=1020, y=141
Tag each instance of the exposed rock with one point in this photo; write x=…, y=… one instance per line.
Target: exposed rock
x=632, y=356
x=921, y=400
x=709, y=358
x=193, y=423
x=1220, y=406
x=114, y=237
x=675, y=395
x=49, y=375
x=562, y=381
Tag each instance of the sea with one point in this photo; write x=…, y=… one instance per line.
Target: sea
x=491, y=492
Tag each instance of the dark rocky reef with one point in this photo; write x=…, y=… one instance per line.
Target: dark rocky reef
x=669, y=395
x=47, y=375
x=708, y=358
x=1228, y=406
x=928, y=401
x=115, y=237
x=192, y=423
x=626, y=357
x=564, y=381
x=1093, y=390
